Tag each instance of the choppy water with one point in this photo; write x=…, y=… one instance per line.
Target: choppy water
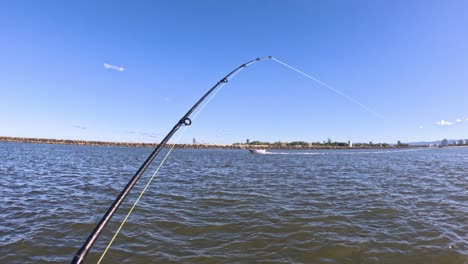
x=229, y=206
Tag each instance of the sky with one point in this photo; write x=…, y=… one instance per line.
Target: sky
x=129, y=70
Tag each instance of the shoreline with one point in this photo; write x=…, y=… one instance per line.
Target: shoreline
x=186, y=146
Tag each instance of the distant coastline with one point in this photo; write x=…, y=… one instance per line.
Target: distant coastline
x=192, y=146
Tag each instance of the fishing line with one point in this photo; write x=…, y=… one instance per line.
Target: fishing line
x=184, y=121
x=209, y=99
x=159, y=167
x=329, y=87
x=140, y=196
x=193, y=118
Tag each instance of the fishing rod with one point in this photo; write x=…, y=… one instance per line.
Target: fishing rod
x=184, y=121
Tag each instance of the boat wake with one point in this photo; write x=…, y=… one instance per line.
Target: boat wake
x=293, y=153
x=341, y=152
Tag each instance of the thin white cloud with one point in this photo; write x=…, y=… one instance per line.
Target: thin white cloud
x=80, y=127
x=444, y=123
x=421, y=127
x=459, y=120
x=151, y=134
x=114, y=67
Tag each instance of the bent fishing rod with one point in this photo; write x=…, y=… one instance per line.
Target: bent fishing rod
x=184, y=121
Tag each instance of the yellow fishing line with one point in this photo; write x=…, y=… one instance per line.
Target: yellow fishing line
x=137, y=200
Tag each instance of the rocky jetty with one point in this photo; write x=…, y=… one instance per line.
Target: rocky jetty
x=110, y=144
x=189, y=146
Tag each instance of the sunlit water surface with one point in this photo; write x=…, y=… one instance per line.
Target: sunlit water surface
x=229, y=206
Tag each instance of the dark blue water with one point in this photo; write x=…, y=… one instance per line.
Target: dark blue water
x=229, y=206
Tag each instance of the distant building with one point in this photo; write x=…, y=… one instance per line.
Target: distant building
x=194, y=141
x=444, y=143
x=247, y=141
x=461, y=142
x=350, y=143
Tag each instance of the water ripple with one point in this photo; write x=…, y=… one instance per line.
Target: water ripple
x=228, y=206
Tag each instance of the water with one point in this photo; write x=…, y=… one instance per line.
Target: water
x=229, y=206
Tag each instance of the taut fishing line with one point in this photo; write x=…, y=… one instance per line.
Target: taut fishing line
x=329, y=87
x=184, y=121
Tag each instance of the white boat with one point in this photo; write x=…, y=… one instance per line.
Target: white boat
x=257, y=151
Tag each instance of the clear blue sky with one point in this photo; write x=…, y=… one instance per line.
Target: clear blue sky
x=407, y=60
